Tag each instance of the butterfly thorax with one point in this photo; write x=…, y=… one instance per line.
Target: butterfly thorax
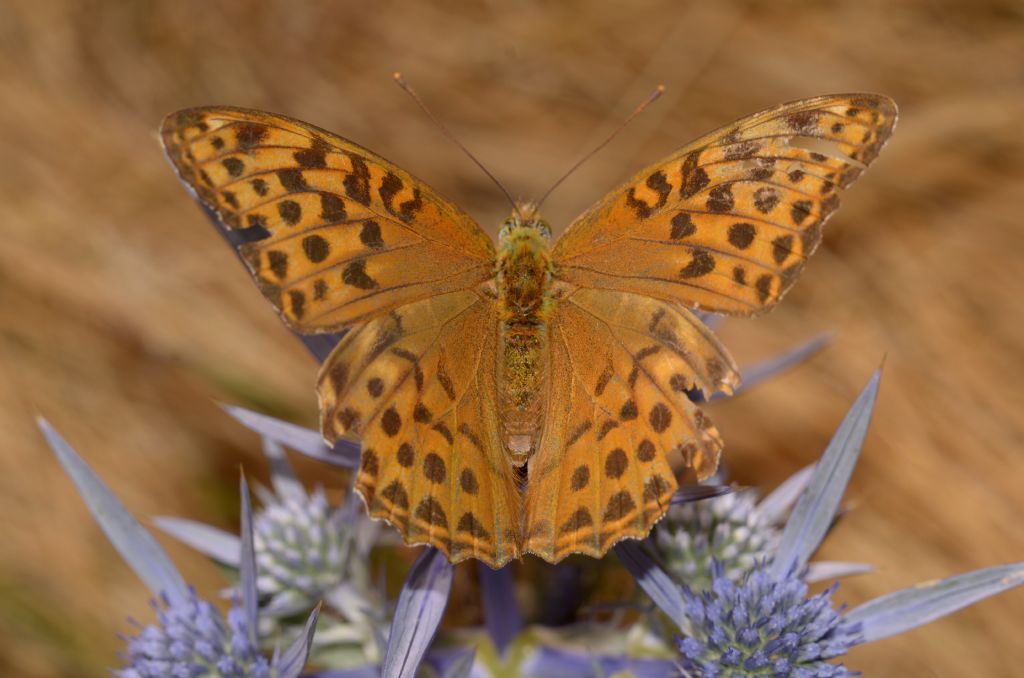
x=524, y=282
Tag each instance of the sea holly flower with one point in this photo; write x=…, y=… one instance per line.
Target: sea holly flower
x=305, y=548
x=599, y=649
x=734, y=532
x=735, y=529
x=503, y=621
x=190, y=639
x=427, y=587
x=728, y=531
x=424, y=595
x=421, y=605
x=764, y=624
x=306, y=551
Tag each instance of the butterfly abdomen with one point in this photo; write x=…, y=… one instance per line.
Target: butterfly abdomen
x=524, y=349
x=524, y=281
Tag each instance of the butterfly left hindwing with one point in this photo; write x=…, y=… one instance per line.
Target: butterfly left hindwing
x=414, y=385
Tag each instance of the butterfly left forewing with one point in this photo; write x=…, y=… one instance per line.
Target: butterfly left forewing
x=726, y=223
x=332, y=233
x=618, y=418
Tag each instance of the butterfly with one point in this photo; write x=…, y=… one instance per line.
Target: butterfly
x=525, y=397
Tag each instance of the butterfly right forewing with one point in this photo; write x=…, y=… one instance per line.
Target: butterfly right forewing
x=727, y=223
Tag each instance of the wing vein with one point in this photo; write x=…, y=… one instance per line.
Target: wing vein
x=665, y=280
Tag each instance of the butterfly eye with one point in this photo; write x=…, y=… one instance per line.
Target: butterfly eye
x=506, y=228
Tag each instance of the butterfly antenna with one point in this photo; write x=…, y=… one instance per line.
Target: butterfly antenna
x=444, y=130
x=658, y=91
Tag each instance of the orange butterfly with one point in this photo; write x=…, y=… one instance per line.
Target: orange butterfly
x=525, y=399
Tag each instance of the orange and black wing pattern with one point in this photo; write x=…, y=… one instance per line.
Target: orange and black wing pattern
x=727, y=223
x=418, y=386
x=334, y=233
x=619, y=426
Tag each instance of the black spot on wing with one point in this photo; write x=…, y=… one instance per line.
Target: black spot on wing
x=682, y=226
x=391, y=421
x=357, y=182
x=290, y=212
x=741, y=235
x=370, y=234
x=701, y=264
x=720, y=199
x=234, y=166
x=278, y=263
x=332, y=208
x=658, y=183
x=801, y=210
x=782, y=247
x=580, y=478
x=298, y=300
x=431, y=511
x=695, y=179
x=292, y=180
x=390, y=186
x=315, y=248
x=311, y=158
x=260, y=186
x=579, y=520
x=765, y=199
x=355, y=275
x=434, y=468
x=249, y=134
x=319, y=290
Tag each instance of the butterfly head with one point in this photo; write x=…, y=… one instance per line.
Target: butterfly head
x=525, y=222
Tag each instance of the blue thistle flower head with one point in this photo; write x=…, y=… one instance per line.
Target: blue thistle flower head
x=728, y=530
x=191, y=640
x=302, y=546
x=763, y=626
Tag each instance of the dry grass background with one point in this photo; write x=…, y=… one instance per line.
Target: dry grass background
x=123, y=315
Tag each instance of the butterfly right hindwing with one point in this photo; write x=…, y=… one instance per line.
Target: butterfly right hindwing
x=618, y=414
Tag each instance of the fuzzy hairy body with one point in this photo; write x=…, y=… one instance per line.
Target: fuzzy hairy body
x=524, y=297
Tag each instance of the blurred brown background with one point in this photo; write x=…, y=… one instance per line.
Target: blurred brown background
x=123, y=316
